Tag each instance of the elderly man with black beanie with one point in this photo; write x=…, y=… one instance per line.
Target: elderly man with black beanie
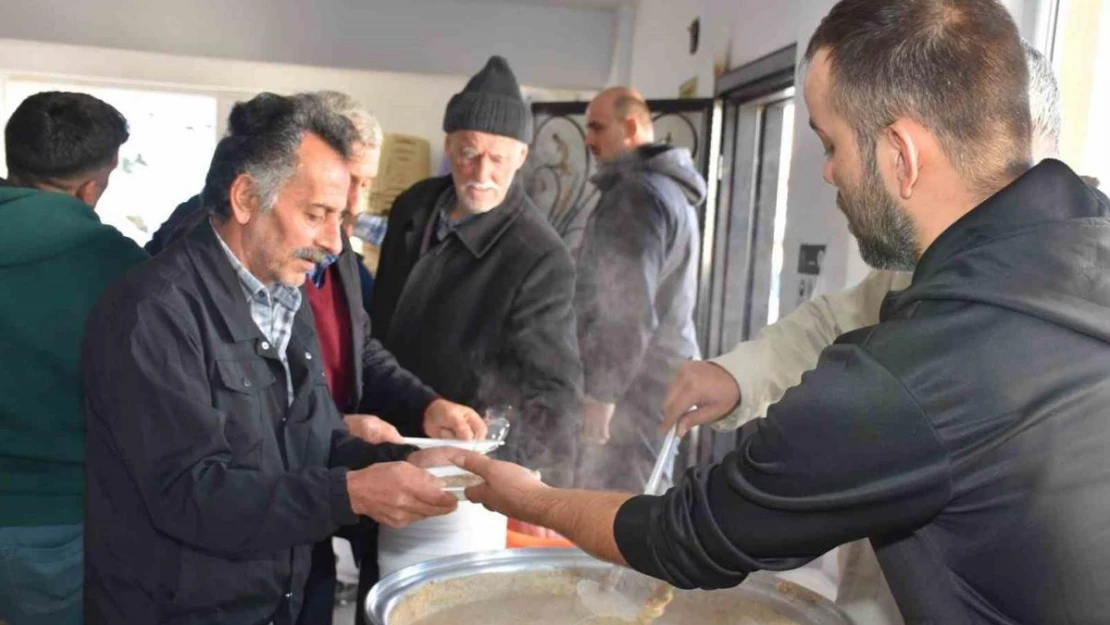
x=474, y=291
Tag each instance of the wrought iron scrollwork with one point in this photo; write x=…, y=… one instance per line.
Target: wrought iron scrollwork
x=557, y=174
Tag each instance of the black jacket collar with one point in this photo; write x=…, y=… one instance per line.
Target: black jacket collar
x=477, y=235
x=1048, y=192
x=1035, y=247
x=219, y=279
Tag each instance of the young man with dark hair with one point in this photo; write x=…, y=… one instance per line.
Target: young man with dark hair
x=736, y=387
x=966, y=434
x=55, y=260
x=216, y=455
x=67, y=142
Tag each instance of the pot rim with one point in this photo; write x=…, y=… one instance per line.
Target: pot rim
x=394, y=588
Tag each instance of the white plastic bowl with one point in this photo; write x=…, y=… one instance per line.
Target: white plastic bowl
x=452, y=471
x=482, y=447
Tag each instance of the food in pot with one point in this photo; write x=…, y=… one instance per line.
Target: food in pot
x=549, y=598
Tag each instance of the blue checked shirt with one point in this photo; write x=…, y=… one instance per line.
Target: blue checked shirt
x=371, y=228
x=273, y=309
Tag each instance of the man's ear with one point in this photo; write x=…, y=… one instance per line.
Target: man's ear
x=522, y=157
x=903, y=149
x=89, y=192
x=244, y=199
x=631, y=127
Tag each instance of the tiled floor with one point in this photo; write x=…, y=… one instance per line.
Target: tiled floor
x=344, y=615
x=348, y=573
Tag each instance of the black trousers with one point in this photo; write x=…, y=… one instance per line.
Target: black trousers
x=365, y=548
x=319, y=590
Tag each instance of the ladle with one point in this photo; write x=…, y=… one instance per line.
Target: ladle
x=601, y=599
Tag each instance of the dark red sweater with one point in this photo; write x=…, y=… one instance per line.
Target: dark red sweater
x=333, y=330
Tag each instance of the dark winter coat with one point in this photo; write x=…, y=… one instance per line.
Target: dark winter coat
x=206, y=487
x=485, y=318
x=637, y=286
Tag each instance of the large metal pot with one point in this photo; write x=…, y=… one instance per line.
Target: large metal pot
x=433, y=587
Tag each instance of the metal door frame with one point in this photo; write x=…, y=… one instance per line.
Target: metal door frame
x=767, y=80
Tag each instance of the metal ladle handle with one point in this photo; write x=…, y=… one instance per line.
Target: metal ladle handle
x=670, y=443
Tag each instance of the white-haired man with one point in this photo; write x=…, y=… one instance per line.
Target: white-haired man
x=475, y=290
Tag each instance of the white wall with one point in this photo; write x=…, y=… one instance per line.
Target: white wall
x=424, y=36
x=733, y=32
x=759, y=28
x=624, y=41
x=661, y=59
x=404, y=102
x=811, y=215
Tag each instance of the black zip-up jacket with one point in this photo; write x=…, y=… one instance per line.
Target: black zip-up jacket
x=967, y=435
x=206, y=488
x=378, y=379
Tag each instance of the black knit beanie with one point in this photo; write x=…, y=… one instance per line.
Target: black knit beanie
x=491, y=102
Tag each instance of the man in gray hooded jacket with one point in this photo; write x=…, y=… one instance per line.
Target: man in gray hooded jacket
x=637, y=281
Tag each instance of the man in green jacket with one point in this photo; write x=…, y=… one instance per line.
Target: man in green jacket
x=55, y=259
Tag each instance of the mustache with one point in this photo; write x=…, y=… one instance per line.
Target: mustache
x=312, y=255
x=482, y=186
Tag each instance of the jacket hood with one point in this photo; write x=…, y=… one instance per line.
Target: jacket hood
x=1040, y=247
x=38, y=225
x=673, y=162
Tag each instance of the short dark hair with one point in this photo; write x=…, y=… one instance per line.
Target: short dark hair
x=263, y=140
x=56, y=136
x=956, y=66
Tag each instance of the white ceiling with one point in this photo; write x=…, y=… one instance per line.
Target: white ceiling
x=447, y=37
x=565, y=3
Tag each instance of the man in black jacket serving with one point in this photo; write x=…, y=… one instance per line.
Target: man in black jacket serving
x=216, y=455
x=966, y=434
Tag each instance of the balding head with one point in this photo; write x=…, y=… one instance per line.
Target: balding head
x=618, y=120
